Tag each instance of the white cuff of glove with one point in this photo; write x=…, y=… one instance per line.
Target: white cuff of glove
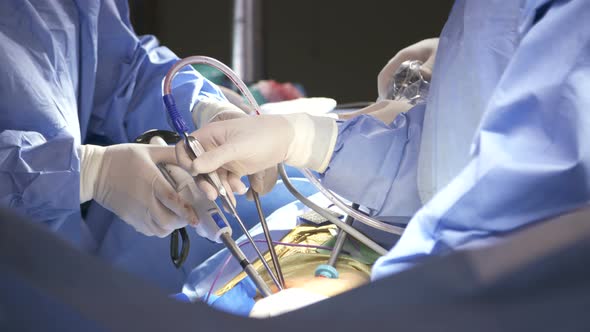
x=90, y=160
x=206, y=110
x=314, y=142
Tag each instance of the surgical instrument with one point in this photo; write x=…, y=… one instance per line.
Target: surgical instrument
x=269, y=243
x=212, y=225
x=197, y=150
x=193, y=150
x=329, y=270
x=239, y=255
x=164, y=137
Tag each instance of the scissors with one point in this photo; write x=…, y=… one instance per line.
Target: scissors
x=179, y=241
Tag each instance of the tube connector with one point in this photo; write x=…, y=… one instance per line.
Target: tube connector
x=175, y=117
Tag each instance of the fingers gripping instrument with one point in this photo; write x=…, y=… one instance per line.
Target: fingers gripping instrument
x=184, y=184
x=162, y=137
x=213, y=225
x=177, y=121
x=195, y=150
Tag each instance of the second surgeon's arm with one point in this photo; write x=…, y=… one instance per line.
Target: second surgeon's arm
x=128, y=95
x=530, y=157
x=361, y=159
x=374, y=163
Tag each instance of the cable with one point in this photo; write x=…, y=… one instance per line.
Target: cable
x=347, y=228
x=358, y=216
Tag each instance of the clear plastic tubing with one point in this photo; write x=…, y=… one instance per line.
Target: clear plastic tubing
x=359, y=216
x=197, y=59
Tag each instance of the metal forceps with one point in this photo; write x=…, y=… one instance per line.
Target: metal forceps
x=195, y=150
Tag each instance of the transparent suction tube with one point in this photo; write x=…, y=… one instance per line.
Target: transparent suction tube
x=198, y=59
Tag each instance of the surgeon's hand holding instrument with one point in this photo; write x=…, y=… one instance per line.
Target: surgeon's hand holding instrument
x=212, y=223
x=194, y=150
x=143, y=199
x=175, y=178
x=198, y=150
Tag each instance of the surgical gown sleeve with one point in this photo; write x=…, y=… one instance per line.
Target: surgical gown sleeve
x=374, y=164
x=130, y=72
x=39, y=168
x=531, y=155
x=69, y=69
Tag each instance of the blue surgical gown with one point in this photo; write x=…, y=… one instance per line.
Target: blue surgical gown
x=75, y=72
x=503, y=141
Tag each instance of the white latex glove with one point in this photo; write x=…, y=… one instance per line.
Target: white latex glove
x=249, y=145
x=424, y=51
x=207, y=111
x=284, y=301
x=384, y=110
x=124, y=179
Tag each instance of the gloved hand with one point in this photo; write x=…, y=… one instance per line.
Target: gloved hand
x=284, y=301
x=384, y=110
x=424, y=51
x=124, y=179
x=249, y=145
x=207, y=111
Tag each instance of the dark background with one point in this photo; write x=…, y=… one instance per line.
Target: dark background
x=334, y=48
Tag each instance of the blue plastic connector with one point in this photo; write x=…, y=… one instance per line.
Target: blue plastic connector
x=326, y=271
x=218, y=220
x=175, y=117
